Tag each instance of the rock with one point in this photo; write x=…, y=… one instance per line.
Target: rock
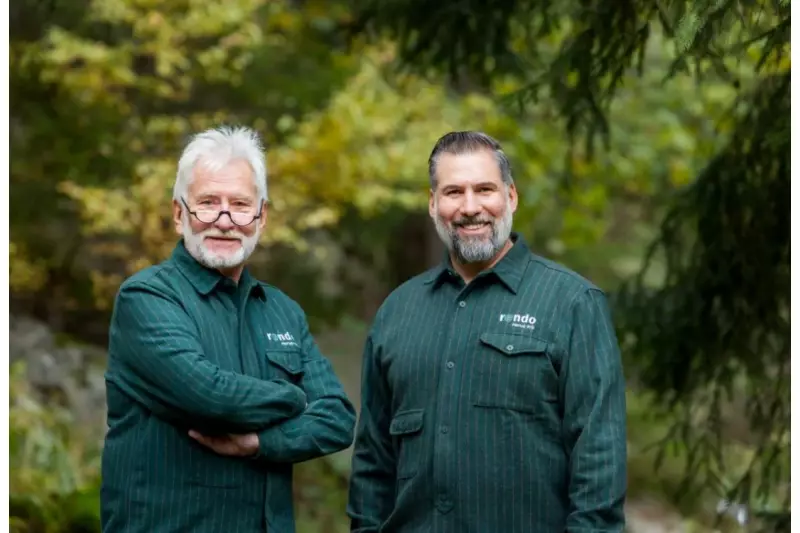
x=651, y=516
x=71, y=376
x=28, y=338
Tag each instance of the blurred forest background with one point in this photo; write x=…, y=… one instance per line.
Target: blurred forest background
x=650, y=143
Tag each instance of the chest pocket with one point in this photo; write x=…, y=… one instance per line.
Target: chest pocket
x=515, y=372
x=286, y=363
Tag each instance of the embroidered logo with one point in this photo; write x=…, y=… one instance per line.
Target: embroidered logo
x=286, y=339
x=519, y=321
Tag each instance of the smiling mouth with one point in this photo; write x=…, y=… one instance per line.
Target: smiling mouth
x=473, y=226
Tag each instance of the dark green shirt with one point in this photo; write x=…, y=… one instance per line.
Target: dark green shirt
x=190, y=348
x=492, y=407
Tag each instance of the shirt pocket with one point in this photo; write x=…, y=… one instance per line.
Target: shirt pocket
x=515, y=372
x=286, y=363
x=406, y=430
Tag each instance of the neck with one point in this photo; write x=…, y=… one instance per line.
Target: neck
x=469, y=271
x=233, y=273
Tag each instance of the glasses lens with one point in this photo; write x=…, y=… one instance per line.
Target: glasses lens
x=242, y=218
x=207, y=215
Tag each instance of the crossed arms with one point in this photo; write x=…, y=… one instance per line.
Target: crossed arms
x=157, y=360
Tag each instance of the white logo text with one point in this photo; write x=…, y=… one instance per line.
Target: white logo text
x=519, y=321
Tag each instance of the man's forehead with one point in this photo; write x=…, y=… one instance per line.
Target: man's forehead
x=468, y=169
x=232, y=178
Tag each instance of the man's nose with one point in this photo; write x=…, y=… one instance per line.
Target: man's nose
x=471, y=206
x=224, y=222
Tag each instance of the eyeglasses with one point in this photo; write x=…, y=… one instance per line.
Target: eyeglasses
x=209, y=215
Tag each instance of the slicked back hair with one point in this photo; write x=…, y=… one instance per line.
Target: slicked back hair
x=464, y=142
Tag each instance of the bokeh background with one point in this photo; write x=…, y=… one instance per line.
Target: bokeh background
x=650, y=146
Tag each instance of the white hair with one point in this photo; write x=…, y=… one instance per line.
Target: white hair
x=217, y=147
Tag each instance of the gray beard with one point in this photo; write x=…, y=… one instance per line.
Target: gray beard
x=476, y=249
x=197, y=249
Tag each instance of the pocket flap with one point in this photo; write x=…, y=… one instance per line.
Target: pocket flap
x=514, y=344
x=407, y=422
x=290, y=361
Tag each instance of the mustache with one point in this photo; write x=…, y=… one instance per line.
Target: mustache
x=232, y=234
x=466, y=221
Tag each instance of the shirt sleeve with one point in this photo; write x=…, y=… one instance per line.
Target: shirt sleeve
x=372, y=476
x=593, y=388
x=157, y=359
x=326, y=426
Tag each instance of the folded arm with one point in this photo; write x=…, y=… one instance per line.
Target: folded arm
x=372, y=477
x=326, y=426
x=593, y=388
x=157, y=359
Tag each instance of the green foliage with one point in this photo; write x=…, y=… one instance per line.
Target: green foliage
x=55, y=470
x=349, y=141
x=697, y=350
x=577, y=55
x=113, y=92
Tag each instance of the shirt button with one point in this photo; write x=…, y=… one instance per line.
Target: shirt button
x=510, y=347
x=462, y=304
x=445, y=429
x=450, y=364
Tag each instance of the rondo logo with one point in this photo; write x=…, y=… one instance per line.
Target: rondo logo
x=286, y=339
x=519, y=321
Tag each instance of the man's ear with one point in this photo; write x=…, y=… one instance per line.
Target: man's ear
x=177, y=211
x=513, y=197
x=263, y=220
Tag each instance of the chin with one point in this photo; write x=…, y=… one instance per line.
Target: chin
x=218, y=260
x=223, y=254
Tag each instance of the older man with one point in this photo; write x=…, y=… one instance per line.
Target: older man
x=493, y=397
x=215, y=385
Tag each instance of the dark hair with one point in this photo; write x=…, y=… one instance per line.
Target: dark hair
x=463, y=142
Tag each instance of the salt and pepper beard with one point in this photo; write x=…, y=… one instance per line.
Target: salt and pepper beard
x=474, y=249
x=196, y=247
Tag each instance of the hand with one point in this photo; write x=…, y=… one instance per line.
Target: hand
x=232, y=445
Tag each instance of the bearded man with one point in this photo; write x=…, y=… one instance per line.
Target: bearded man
x=215, y=386
x=493, y=397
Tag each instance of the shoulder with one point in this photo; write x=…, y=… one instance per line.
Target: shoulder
x=158, y=279
x=573, y=296
x=407, y=293
x=151, y=296
x=558, y=278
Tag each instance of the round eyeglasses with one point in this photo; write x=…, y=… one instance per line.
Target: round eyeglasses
x=210, y=215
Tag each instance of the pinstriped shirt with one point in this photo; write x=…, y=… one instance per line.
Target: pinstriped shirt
x=496, y=406
x=191, y=349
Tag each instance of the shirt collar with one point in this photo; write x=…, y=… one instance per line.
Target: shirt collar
x=206, y=279
x=509, y=270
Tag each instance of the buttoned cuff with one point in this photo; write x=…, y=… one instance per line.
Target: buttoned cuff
x=270, y=440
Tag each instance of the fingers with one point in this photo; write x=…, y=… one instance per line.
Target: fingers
x=210, y=442
x=202, y=439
